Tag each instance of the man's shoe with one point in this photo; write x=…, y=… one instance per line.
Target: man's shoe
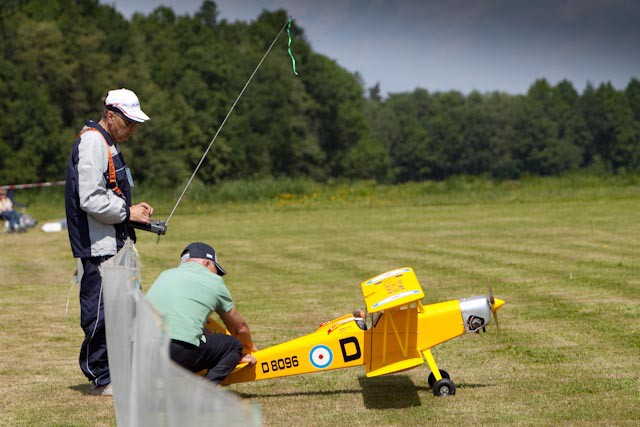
x=104, y=390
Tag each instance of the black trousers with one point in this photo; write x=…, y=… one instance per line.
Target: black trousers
x=220, y=354
x=93, y=353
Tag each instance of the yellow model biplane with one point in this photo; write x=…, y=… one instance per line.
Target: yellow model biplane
x=400, y=336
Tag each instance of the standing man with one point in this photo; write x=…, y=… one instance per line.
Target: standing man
x=98, y=205
x=186, y=296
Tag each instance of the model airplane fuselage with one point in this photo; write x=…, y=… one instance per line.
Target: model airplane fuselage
x=400, y=335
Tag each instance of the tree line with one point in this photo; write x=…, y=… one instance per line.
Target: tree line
x=59, y=58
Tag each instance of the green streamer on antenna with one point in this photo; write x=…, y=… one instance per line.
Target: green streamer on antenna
x=293, y=60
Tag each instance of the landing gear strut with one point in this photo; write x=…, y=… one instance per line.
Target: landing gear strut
x=442, y=387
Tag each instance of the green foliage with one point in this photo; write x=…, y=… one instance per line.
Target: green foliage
x=633, y=96
x=539, y=144
x=60, y=57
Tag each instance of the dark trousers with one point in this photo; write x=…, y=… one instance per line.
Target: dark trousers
x=13, y=217
x=220, y=354
x=93, y=353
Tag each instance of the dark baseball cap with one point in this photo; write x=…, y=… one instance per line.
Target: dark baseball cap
x=202, y=250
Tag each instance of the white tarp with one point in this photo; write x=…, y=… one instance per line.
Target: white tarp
x=149, y=389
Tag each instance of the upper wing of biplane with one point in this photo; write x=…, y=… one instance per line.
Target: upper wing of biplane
x=391, y=289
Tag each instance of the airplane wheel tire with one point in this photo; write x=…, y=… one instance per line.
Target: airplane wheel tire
x=432, y=378
x=444, y=387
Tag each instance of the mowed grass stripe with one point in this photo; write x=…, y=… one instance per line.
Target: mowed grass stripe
x=551, y=290
x=514, y=265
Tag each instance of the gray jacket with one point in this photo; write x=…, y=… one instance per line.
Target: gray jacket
x=96, y=215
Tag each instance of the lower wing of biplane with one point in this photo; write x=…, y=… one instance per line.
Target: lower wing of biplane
x=401, y=334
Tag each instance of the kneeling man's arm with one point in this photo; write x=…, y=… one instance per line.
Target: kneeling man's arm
x=238, y=328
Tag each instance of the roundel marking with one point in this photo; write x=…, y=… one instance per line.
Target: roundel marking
x=321, y=356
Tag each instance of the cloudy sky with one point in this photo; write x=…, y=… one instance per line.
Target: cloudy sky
x=463, y=45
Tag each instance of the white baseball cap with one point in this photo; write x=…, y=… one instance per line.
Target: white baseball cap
x=127, y=103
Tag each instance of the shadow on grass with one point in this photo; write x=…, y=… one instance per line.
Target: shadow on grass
x=389, y=392
x=386, y=392
x=396, y=391
x=296, y=393
x=84, y=388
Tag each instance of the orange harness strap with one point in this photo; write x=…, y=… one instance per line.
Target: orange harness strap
x=113, y=183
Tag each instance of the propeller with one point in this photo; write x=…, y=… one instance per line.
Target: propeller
x=495, y=305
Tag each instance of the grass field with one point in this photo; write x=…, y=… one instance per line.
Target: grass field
x=563, y=253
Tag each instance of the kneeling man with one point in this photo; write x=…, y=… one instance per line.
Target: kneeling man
x=186, y=296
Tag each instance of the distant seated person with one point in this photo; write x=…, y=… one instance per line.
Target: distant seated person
x=360, y=318
x=8, y=213
x=186, y=296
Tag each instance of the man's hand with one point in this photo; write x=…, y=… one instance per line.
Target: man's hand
x=248, y=358
x=141, y=213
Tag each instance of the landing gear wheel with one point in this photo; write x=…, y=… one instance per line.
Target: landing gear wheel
x=432, y=378
x=444, y=387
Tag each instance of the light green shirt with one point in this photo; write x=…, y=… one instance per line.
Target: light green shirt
x=185, y=296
